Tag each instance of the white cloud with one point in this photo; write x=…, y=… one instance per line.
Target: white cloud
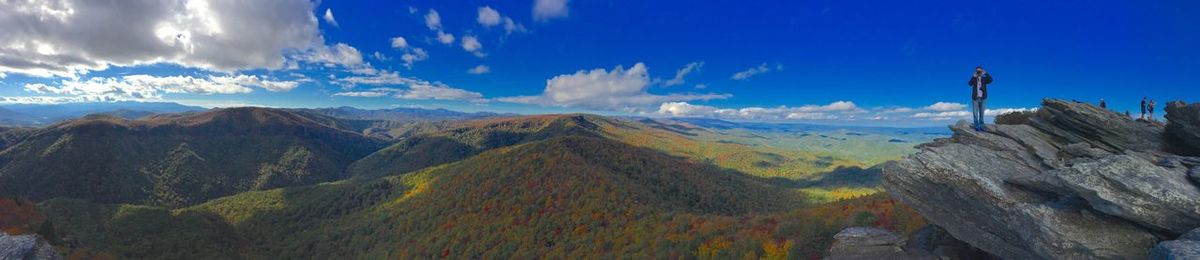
x=54, y=99
x=481, y=69
x=379, y=56
x=417, y=88
x=340, y=54
x=147, y=87
x=511, y=27
x=618, y=89
x=1000, y=111
x=439, y=92
x=679, y=74
x=544, y=10
x=399, y=42
x=488, y=17
x=946, y=106
x=362, y=93
x=412, y=56
x=433, y=20
x=329, y=17
x=471, y=44
x=751, y=72
x=251, y=80
x=72, y=37
x=445, y=38
x=835, y=110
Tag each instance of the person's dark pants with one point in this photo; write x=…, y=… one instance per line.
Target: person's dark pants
x=978, y=108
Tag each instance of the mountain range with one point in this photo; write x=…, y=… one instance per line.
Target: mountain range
x=291, y=183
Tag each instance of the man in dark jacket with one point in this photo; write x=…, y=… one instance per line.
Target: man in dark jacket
x=979, y=94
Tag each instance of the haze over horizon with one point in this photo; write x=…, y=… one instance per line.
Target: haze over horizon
x=829, y=62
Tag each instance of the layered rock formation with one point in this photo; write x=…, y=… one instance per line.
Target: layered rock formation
x=1075, y=182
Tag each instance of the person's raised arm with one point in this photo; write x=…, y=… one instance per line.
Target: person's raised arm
x=987, y=78
x=971, y=81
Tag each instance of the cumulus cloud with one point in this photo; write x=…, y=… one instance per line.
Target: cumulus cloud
x=616, y=89
x=433, y=20
x=679, y=74
x=340, y=54
x=413, y=55
x=471, y=44
x=835, y=110
x=946, y=106
x=751, y=72
x=329, y=17
x=545, y=10
x=481, y=69
x=71, y=37
x=445, y=38
x=488, y=17
x=399, y=42
x=147, y=87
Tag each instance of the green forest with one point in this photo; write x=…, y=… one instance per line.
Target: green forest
x=555, y=186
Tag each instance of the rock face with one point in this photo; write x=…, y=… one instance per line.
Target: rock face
x=25, y=247
x=1076, y=182
x=1183, y=127
x=1186, y=246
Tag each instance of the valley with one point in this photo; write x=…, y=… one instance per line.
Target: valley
x=271, y=183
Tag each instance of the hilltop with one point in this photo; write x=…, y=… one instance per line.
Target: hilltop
x=179, y=159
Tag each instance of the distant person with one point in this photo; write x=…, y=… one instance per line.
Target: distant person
x=1103, y=104
x=1143, y=115
x=978, y=84
x=1150, y=108
x=1127, y=114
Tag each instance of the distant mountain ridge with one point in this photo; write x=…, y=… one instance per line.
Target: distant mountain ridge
x=180, y=159
x=46, y=114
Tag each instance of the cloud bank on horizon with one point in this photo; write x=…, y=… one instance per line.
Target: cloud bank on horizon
x=499, y=56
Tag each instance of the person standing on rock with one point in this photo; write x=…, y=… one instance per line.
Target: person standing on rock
x=979, y=95
x=1151, y=109
x=1143, y=115
x=1103, y=104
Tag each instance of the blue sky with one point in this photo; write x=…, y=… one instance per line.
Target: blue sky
x=845, y=62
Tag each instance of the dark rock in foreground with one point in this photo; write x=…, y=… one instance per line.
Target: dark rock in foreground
x=26, y=247
x=1183, y=127
x=930, y=242
x=1076, y=182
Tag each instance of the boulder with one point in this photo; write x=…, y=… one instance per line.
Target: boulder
x=1076, y=182
x=26, y=247
x=867, y=243
x=1183, y=127
x=1176, y=250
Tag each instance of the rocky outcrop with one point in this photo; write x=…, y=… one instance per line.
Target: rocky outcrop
x=26, y=247
x=866, y=243
x=930, y=242
x=1183, y=127
x=1076, y=182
